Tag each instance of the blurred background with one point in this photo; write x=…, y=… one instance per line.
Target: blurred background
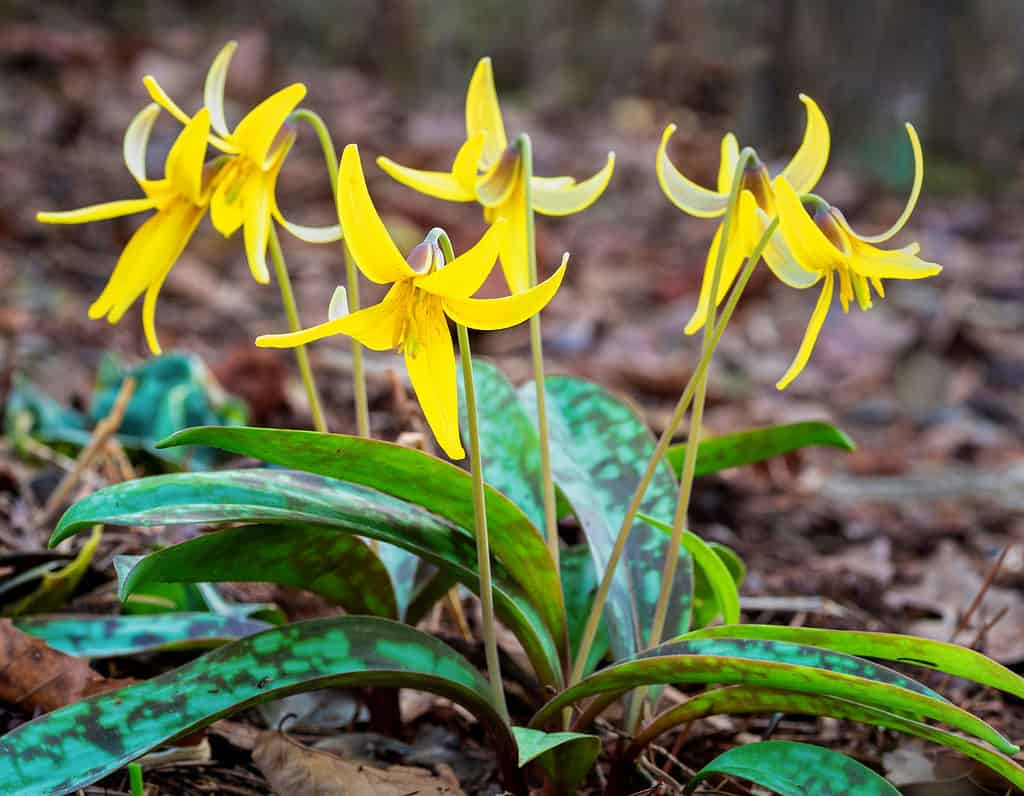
x=928, y=382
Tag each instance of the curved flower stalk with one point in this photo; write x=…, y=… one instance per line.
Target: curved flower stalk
x=180, y=200
x=489, y=171
x=802, y=172
x=817, y=244
x=412, y=317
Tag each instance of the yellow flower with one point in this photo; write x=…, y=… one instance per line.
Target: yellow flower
x=412, y=316
x=487, y=170
x=244, y=195
x=802, y=172
x=815, y=242
x=180, y=200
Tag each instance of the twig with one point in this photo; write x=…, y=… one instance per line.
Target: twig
x=990, y=576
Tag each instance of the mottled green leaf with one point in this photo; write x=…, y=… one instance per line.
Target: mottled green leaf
x=338, y=566
x=796, y=769
x=949, y=658
x=758, y=444
x=565, y=757
x=579, y=584
x=786, y=666
x=110, y=636
x=412, y=476
x=269, y=496
x=55, y=588
x=600, y=448
x=83, y=742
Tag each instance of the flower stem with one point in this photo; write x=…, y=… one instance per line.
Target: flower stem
x=596, y=610
x=284, y=283
x=315, y=121
x=537, y=355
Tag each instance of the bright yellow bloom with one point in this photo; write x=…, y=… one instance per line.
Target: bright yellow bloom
x=487, y=170
x=802, y=172
x=412, y=316
x=815, y=242
x=180, y=200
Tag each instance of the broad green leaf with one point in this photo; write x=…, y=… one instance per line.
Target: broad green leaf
x=412, y=476
x=73, y=747
x=579, y=585
x=707, y=561
x=110, y=636
x=55, y=588
x=735, y=700
x=791, y=667
x=705, y=604
x=269, y=496
x=758, y=444
x=565, y=757
x=949, y=658
x=338, y=566
x=796, y=769
x=600, y=448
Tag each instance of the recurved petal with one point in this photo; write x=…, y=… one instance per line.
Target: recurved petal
x=184, y=165
x=806, y=241
x=257, y=199
x=163, y=99
x=213, y=90
x=563, y=201
x=880, y=264
x=483, y=114
x=440, y=184
x=683, y=192
x=328, y=234
x=430, y=361
x=803, y=354
x=100, y=212
x=727, y=163
x=464, y=275
x=257, y=131
x=377, y=327
x=807, y=165
x=501, y=313
x=782, y=261
x=367, y=237
x=466, y=165
x=136, y=139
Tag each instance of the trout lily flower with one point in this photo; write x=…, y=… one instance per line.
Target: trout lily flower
x=425, y=291
x=488, y=171
x=180, y=199
x=815, y=243
x=244, y=195
x=802, y=172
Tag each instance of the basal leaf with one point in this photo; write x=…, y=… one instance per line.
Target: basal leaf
x=579, y=585
x=758, y=444
x=565, y=757
x=72, y=747
x=796, y=769
x=110, y=636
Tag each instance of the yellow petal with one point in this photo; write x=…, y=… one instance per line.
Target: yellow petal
x=378, y=327
x=496, y=185
x=213, y=90
x=100, y=212
x=483, y=114
x=811, y=335
x=257, y=198
x=806, y=241
x=184, y=165
x=727, y=162
x=501, y=313
x=464, y=275
x=880, y=264
x=367, y=237
x=683, y=192
x=256, y=132
x=328, y=234
x=807, y=165
x=915, y=192
x=161, y=98
x=439, y=184
x=136, y=139
x=781, y=260
x=226, y=210
x=467, y=162
x=149, y=310
x=572, y=198
x=514, y=254
x=430, y=361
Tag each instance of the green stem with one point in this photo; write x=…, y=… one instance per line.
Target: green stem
x=596, y=610
x=135, y=786
x=537, y=355
x=351, y=274
x=284, y=283
x=476, y=468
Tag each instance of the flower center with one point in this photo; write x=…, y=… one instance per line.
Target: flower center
x=757, y=181
x=498, y=182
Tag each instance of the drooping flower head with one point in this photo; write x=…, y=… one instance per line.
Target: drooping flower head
x=489, y=171
x=425, y=292
x=802, y=172
x=180, y=199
